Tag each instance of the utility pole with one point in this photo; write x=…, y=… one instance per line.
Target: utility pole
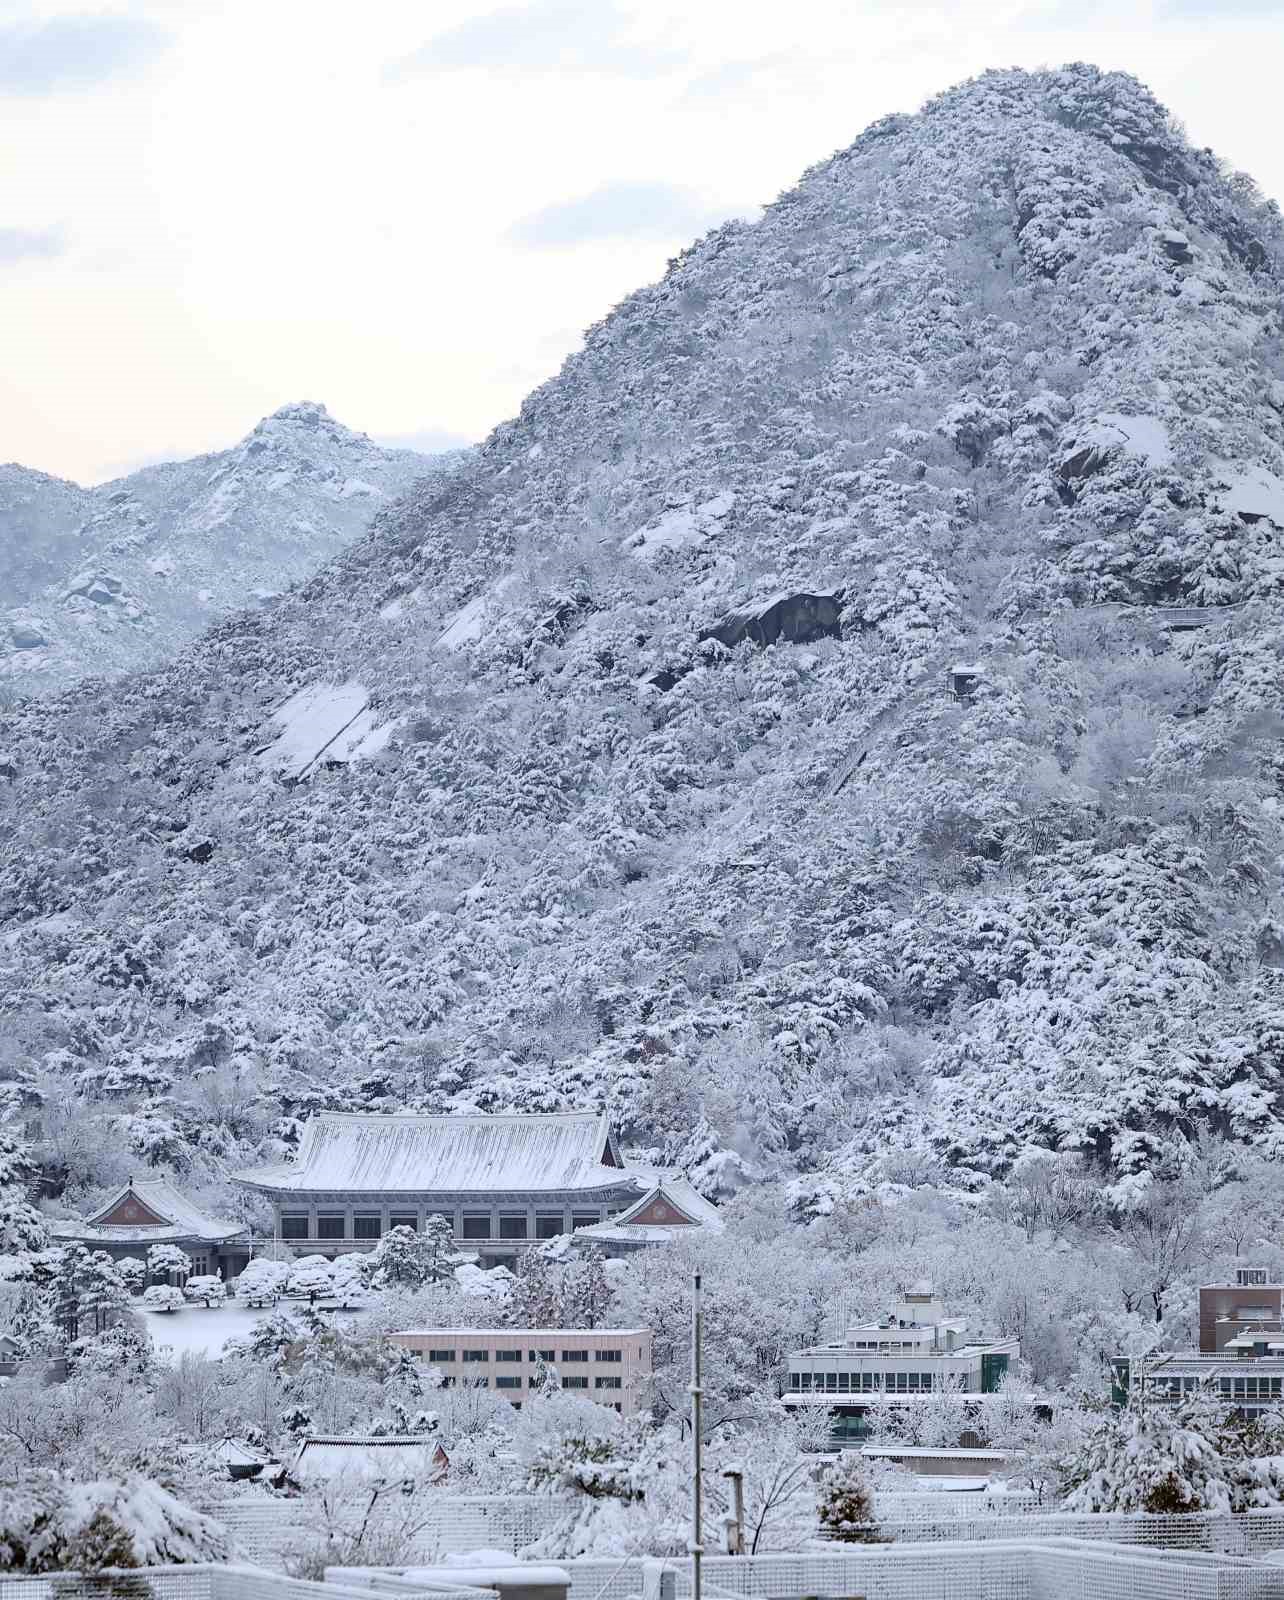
x=697, y=1465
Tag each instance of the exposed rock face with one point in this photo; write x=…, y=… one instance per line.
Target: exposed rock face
x=796, y=618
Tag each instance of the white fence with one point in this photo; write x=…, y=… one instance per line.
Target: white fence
x=206, y=1581
x=268, y=1530
x=1064, y=1569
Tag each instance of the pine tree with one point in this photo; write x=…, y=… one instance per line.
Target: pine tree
x=846, y=1504
x=22, y=1228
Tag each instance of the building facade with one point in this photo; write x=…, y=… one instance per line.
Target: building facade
x=1249, y=1384
x=912, y=1352
x=154, y=1212
x=606, y=1365
x=1229, y=1313
x=502, y=1182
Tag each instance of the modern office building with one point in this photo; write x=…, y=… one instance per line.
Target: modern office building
x=1240, y=1316
x=911, y=1352
x=501, y=1182
x=606, y=1365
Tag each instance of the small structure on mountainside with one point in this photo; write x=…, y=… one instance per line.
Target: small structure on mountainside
x=153, y=1212
x=501, y=1182
x=963, y=682
x=671, y=1208
x=607, y=1365
x=914, y=1350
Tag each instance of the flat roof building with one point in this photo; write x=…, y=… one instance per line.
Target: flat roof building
x=607, y=1365
x=1231, y=1313
x=915, y=1350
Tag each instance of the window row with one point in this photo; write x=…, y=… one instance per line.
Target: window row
x=370, y=1225
x=861, y=1382
x=611, y=1357
x=514, y=1380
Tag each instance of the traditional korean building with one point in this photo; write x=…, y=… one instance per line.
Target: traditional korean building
x=140, y=1215
x=500, y=1181
x=669, y=1209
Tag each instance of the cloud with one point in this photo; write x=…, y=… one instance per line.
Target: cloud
x=73, y=52
x=1221, y=10
x=428, y=441
x=625, y=210
x=560, y=35
x=31, y=244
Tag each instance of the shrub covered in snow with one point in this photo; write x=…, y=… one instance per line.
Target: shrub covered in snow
x=51, y=1523
x=163, y=1297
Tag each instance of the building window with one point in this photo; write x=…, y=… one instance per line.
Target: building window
x=367, y=1227
x=575, y=1383
x=584, y=1219
x=508, y=1355
x=548, y=1227
x=574, y=1355
x=476, y=1355
x=608, y=1383
x=294, y=1227
x=441, y=1355
x=403, y=1222
x=508, y=1381
x=542, y=1355
x=610, y=1355
x=512, y=1227
x=476, y=1228
x=330, y=1227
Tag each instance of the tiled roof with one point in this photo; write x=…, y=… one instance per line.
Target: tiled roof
x=343, y=1153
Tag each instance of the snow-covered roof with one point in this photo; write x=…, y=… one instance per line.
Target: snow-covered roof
x=399, y=1154
x=237, y=1453
x=669, y=1207
x=149, y=1212
x=412, y=1456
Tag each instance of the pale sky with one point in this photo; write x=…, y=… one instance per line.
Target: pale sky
x=410, y=211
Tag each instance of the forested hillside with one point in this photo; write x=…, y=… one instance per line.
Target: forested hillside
x=121, y=576
x=622, y=767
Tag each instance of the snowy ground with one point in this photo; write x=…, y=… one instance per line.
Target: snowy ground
x=199, y=1329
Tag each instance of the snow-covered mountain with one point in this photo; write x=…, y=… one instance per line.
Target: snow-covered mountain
x=110, y=579
x=836, y=725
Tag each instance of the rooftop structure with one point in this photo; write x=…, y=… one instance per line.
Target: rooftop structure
x=914, y=1350
x=606, y=1365
x=500, y=1181
x=142, y=1214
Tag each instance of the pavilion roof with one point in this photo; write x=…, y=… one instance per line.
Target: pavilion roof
x=151, y=1211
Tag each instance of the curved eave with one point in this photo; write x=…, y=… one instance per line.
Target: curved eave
x=452, y=1197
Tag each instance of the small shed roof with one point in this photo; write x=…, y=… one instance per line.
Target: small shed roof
x=373, y=1154
x=409, y=1456
x=146, y=1213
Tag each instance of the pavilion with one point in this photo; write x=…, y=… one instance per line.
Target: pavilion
x=140, y=1215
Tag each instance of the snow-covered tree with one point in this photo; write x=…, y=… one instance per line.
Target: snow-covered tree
x=166, y=1262
x=845, y=1501
x=207, y=1289
x=50, y=1523
x=163, y=1297
x=311, y=1277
